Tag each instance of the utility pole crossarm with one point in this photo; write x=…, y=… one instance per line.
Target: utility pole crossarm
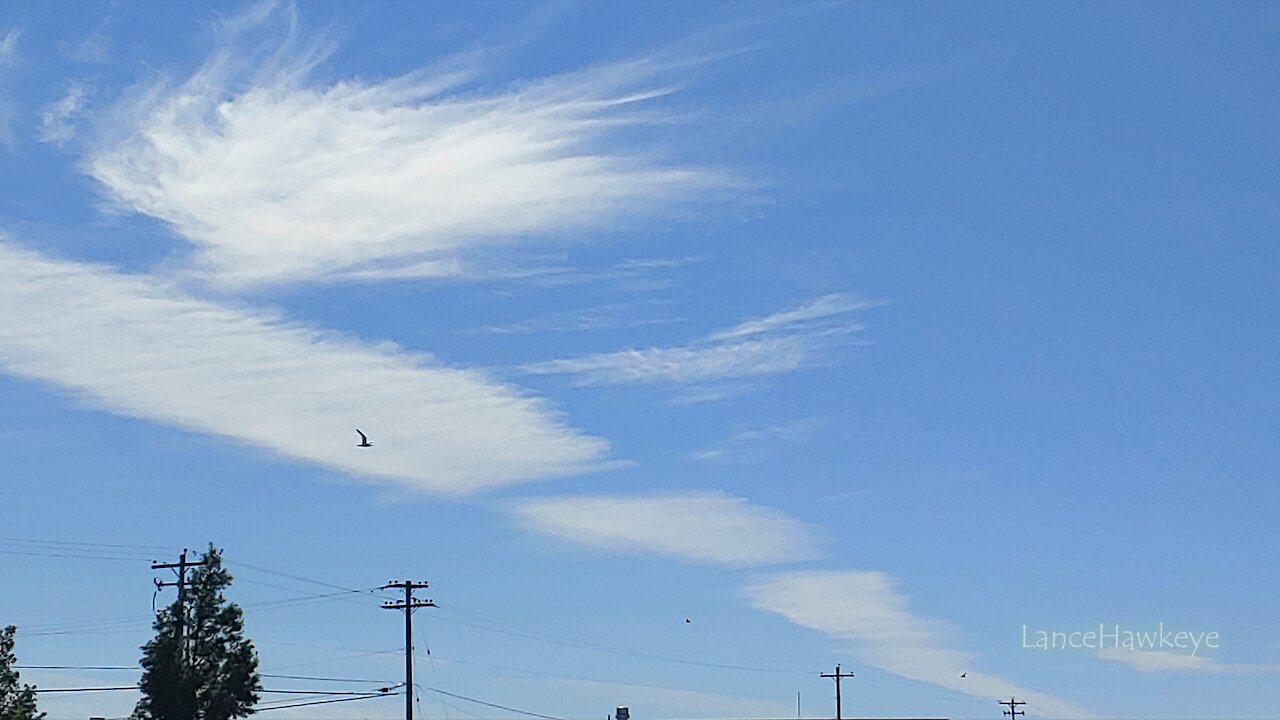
x=181, y=566
x=1013, y=712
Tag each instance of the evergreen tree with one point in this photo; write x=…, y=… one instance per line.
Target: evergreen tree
x=199, y=665
x=17, y=702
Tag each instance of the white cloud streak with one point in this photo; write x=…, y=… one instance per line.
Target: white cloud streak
x=275, y=179
x=8, y=104
x=1163, y=661
x=778, y=343
x=9, y=47
x=57, y=118
x=140, y=348
x=685, y=364
x=710, y=528
x=866, y=609
x=806, y=314
x=94, y=49
x=606, y=316
x=752, y=444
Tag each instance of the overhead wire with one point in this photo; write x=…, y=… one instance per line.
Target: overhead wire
x=565, y=676
x=616, y=651
x=76, y=556
x=432, y=662
x=323, y=679
x=83, y=689
x=300, y=578
x=76, y=667
x=322, y=702
x=165, y=548
x=490, y=704
x=592, y=637
x=541, y=633
x=337, y=659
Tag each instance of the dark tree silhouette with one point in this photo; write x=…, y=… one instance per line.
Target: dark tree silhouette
x=199, y=665
x=17, y=702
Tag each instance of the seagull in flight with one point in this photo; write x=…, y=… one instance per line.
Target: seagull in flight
x=364, y=441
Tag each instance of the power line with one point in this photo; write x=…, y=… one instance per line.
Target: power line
x=89, y=629
x=565, y=676
x=598, y=639
x=615, y=651
x=75, y=623
x=165, y=548
x=300, y=578
x=321, y=702
x=384, y=690
x=69, y=555
x=337, y=659
x=434, y=676
x=294, y=601
x=430, y=656
x=75, y=550
x=320, y=679
x=76, y=667
x=492, y=705
x=115, y=625
x=84, y=689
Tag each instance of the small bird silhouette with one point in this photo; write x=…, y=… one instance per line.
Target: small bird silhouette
x=688, y=620
x=364, y=441
x=964, y=674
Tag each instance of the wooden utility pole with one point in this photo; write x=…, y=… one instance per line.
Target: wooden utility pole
x=837, y=675
x=181, y=568
x=409, y=604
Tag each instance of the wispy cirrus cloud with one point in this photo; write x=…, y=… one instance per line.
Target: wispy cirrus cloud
x=57, y=118
x=752, y=444
x=605, y=316
x=689, y=364
x=812, y=314
x=140, y=348
x=1164, y=661
x=94, y=48
x=781, y=342
x=628, y=274
x=8, y=104
x=274, y=177
x=9, y=47
x=866, y=609
x=703, y=527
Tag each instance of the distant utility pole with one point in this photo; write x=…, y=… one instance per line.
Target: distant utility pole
x=836, y=676
x=1013, y=712
x=181, y=583
x=408, y=605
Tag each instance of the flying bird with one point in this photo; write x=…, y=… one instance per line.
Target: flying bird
x=688, y=620
x=364, y=441
x=964, y=674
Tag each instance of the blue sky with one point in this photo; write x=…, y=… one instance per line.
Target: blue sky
x=875, y=334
